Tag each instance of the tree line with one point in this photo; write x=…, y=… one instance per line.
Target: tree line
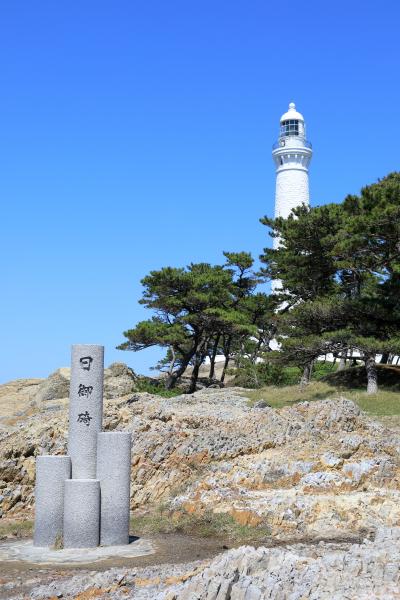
x=339, y=271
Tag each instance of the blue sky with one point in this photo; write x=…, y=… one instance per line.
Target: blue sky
x=135, y=135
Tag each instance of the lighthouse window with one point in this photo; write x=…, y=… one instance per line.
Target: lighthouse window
x=290, y=127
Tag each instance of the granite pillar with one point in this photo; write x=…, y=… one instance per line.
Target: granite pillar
x=51, y=473
x=85, y=408
x=81, y=513
x=114, y=474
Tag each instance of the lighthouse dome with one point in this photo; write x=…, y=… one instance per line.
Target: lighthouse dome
x=292, y=114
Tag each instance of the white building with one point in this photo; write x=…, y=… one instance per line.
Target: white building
x=292, y=155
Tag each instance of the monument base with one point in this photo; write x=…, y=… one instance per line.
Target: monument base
x=25, y=551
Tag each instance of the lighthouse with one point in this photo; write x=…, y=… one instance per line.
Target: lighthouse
x=292, y=156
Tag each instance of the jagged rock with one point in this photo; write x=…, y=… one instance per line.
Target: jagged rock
x=368, y=571
x=54, y=387
x=324, y=571
x=119, y=380
x=22, y=397
x=315, y=469
x=16, y=399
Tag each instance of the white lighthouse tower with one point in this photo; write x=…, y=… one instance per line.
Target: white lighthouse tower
x=292, y=155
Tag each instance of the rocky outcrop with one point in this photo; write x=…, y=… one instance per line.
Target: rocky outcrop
x=313, y=470
x=56, y=386
x=366, y=571
x=119, y=380
x=24, y=397
x=16, y=399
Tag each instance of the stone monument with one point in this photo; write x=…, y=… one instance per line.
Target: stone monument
x=83, y=499
x=85, y=409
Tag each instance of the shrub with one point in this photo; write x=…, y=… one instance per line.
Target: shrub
x=152, y=386
x=321, y=369
x=258, y=375
x=250, y=375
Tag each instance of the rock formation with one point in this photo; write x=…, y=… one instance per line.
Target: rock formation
x=313, y=470
x=324, y=571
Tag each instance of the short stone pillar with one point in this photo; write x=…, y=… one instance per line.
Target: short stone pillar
x=81, y=513
x=85, y=408
x=51, y=473
x=114, y=474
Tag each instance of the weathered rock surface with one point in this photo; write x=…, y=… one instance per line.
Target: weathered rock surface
x=56, y=386
x=119, y=380
x=16, y=398
x=322, y=571
x=313, y=470
x=365, y=572
x=22, y=397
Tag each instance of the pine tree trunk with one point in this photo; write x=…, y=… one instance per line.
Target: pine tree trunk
x=173, y=377
x=195, y=373
x=213, y=357
x=172, y=363
x=226, y=363
x=372, y=375
x=227, y=352
x=194, y=378
x=305, y=378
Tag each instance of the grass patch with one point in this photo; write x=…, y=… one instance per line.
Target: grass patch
x=385, y=403
x=279, y=397
x=208, y=524
x=18, y=529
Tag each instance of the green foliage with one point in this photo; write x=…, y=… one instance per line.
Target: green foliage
x=157, y=389
x=254, y=376
x=304, y=261
x=323, y=369
x=250, y=375
x=201, y=311
x=339, y=266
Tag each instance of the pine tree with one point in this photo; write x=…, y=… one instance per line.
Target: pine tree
x=340, y=270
